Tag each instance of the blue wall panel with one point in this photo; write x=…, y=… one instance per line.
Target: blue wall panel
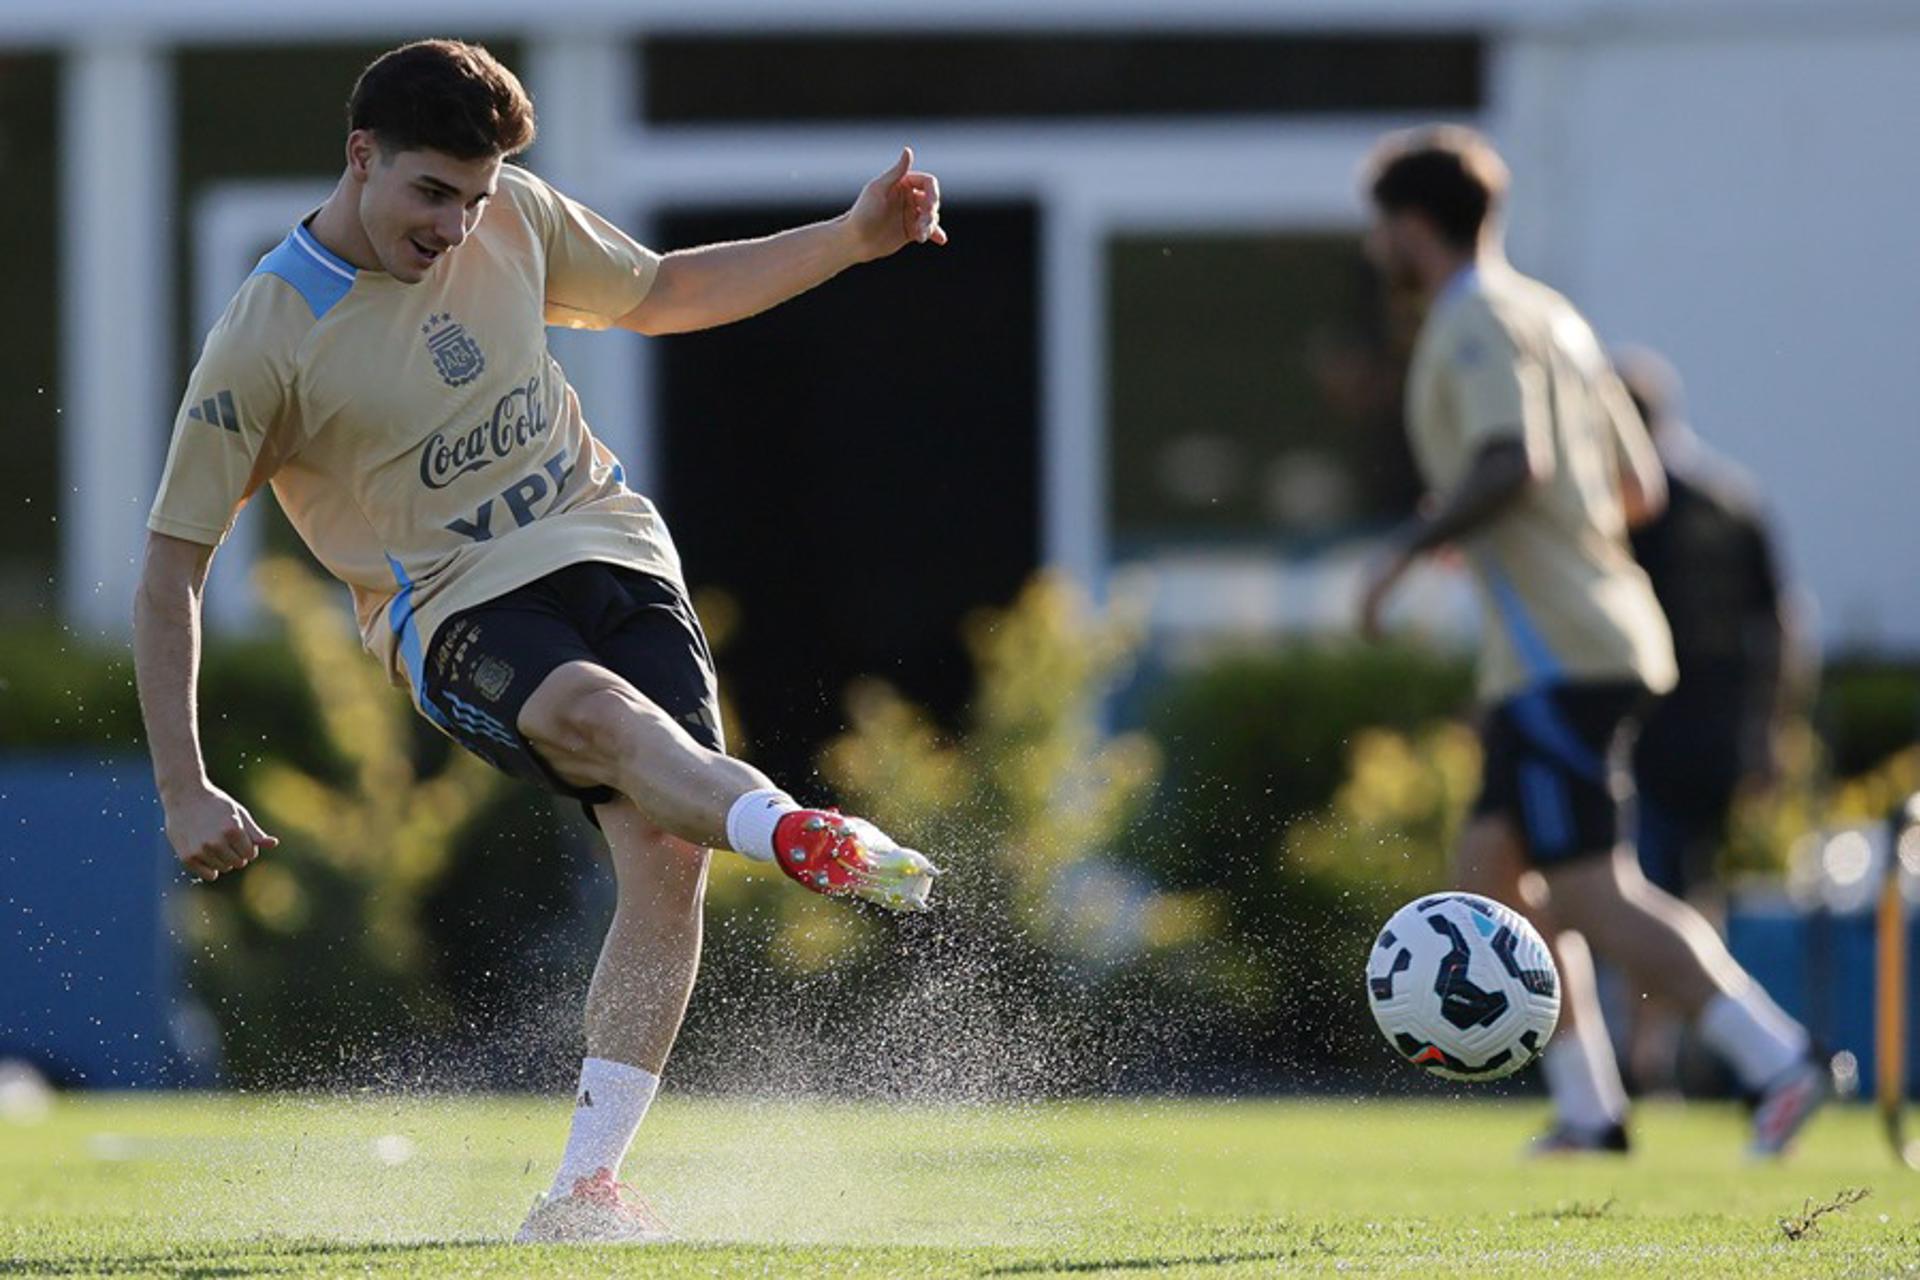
x=89, y=973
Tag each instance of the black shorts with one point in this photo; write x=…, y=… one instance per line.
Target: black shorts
x=485, y=662
x=1678, y=847
x=1687, y=767
x=1557, y=764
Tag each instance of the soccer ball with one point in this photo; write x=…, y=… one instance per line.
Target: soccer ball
x=1463, y=987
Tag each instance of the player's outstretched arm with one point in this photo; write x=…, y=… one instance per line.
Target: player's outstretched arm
x=209, y=830
x=720, y=283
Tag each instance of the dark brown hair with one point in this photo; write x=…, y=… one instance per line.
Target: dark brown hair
x=1448, y=173
x=446, y=95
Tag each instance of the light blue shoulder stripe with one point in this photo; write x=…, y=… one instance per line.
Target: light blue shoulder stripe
x=320, y=276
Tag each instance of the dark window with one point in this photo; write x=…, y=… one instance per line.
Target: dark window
x=853, y=472
x=29, y=355
x=786, y=79
x=1255, y=391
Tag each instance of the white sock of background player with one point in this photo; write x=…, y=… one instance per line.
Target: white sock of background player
x=1584, y=1079
x=1756, y=1037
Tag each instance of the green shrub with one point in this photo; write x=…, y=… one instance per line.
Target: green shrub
x=58, y=691
x=1867, y=710
x=1033, y=790
x=1256, y=740
x=1199, y=889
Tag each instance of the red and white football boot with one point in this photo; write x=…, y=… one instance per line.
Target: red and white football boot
x=831, y=853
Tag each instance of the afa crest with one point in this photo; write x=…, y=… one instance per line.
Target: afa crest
x=455, y=354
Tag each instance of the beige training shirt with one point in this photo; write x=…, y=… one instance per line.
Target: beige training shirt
x=1504, y=356
x=420, y=437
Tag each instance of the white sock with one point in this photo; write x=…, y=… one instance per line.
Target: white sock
x=607, y=1110
x=751, y=820
x=1755, y=1036
x=1585, y=1086
x=1606, y=1069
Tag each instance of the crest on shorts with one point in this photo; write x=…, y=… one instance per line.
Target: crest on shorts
x=455, y=354
x=491, y=678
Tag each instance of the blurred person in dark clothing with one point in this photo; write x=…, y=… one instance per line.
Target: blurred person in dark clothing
x=1711, y=558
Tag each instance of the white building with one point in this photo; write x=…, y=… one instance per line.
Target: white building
x=1730, y=181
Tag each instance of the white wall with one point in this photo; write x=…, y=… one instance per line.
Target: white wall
x=1747, y=203
x=1731, y=181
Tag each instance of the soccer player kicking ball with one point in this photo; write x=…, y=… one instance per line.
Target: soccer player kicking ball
x=1538, y=463
x=385, y=369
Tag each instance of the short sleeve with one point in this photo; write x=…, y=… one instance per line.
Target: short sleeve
x=595, y=272
x=1500, y=389
x=230, y=433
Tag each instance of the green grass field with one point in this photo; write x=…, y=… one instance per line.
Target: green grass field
x=227, y=1186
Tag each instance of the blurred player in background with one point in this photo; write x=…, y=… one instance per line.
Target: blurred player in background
x=1536, y=464
x=1711, y=559
x=386, y=371
x=1710, y=556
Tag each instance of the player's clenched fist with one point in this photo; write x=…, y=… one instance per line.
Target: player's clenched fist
x=900, y=207
x=212, y=832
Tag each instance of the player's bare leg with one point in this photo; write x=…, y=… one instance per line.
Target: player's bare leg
x=1669, y=948
x=652, y=950
x=595, y=729
x=1666, y=945
x=1590, y=1102
x=678, y=799
x=635, y=1005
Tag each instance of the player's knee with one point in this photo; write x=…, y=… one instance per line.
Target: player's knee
x=580, y=720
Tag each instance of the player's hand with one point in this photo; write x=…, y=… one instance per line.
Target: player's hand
x=211, y=832
x=900, y=207
x=1377, y=582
